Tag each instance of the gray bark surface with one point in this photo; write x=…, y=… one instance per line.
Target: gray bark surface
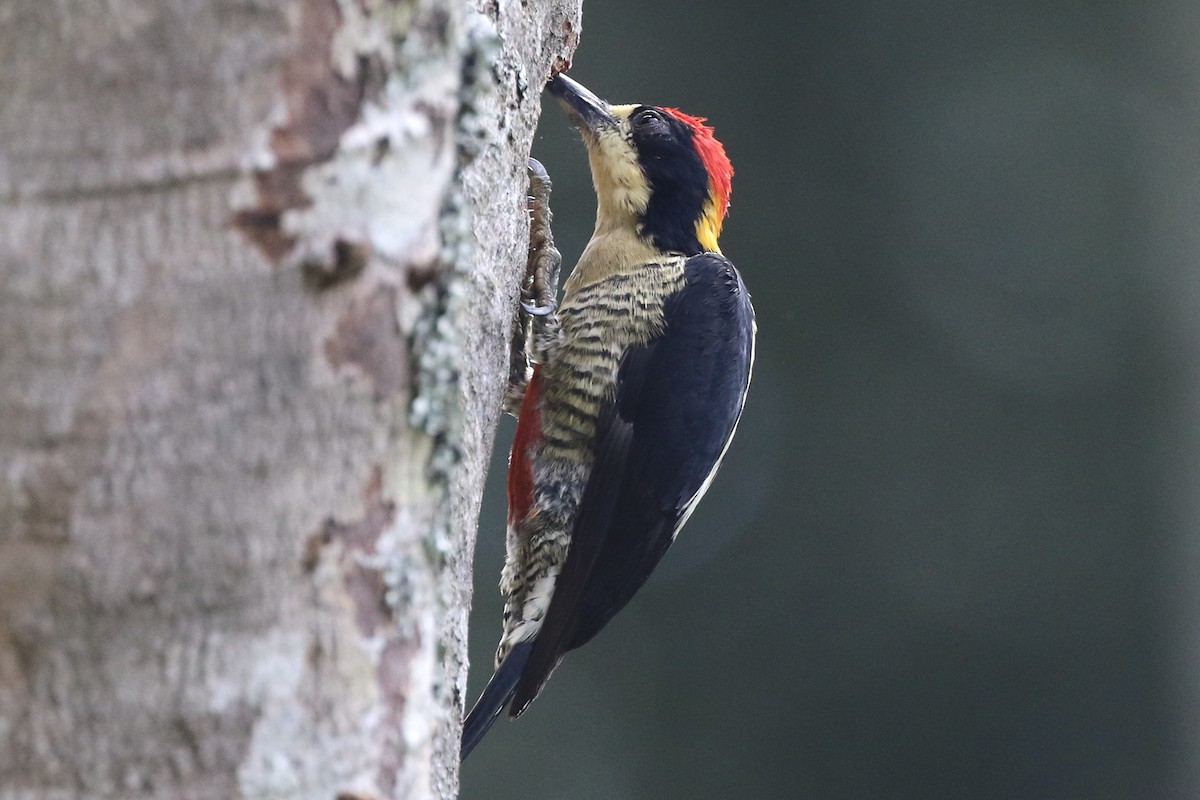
x=258, y=267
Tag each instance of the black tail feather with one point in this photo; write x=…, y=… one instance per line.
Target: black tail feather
x=496, y=694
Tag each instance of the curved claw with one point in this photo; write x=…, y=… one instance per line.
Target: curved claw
x=537, y=311
x=537, y=170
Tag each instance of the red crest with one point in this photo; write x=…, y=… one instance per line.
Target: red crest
x=712, y=153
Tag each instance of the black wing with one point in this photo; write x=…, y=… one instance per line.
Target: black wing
x=678, y=401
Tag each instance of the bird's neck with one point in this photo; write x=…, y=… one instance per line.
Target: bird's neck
x=613, y=249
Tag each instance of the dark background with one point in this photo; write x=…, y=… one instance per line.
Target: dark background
x=952, y=552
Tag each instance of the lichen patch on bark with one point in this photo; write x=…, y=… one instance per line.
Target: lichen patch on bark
x=320, y=105
x=370, y=554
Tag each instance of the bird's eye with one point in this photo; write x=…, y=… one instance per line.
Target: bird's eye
x=649, y=119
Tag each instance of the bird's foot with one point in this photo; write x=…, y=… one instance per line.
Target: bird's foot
x=539, y=287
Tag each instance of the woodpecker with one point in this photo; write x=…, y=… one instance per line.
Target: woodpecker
x=636, y=383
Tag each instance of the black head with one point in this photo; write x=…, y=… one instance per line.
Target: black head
x=679, y=183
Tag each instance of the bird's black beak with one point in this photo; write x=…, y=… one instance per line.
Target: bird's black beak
x=585, y=109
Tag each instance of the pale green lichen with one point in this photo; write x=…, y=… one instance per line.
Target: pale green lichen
x=373, y=29
x=436, y=405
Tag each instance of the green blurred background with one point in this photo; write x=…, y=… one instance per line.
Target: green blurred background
x=952, y=552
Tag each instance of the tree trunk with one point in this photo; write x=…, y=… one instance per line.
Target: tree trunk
x=251, y=360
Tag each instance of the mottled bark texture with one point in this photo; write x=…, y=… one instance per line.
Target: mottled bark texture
x=258, y=265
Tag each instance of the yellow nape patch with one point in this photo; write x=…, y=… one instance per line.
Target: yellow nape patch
x=708, y=227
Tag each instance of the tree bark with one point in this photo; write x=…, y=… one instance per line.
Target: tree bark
x=259, y=268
